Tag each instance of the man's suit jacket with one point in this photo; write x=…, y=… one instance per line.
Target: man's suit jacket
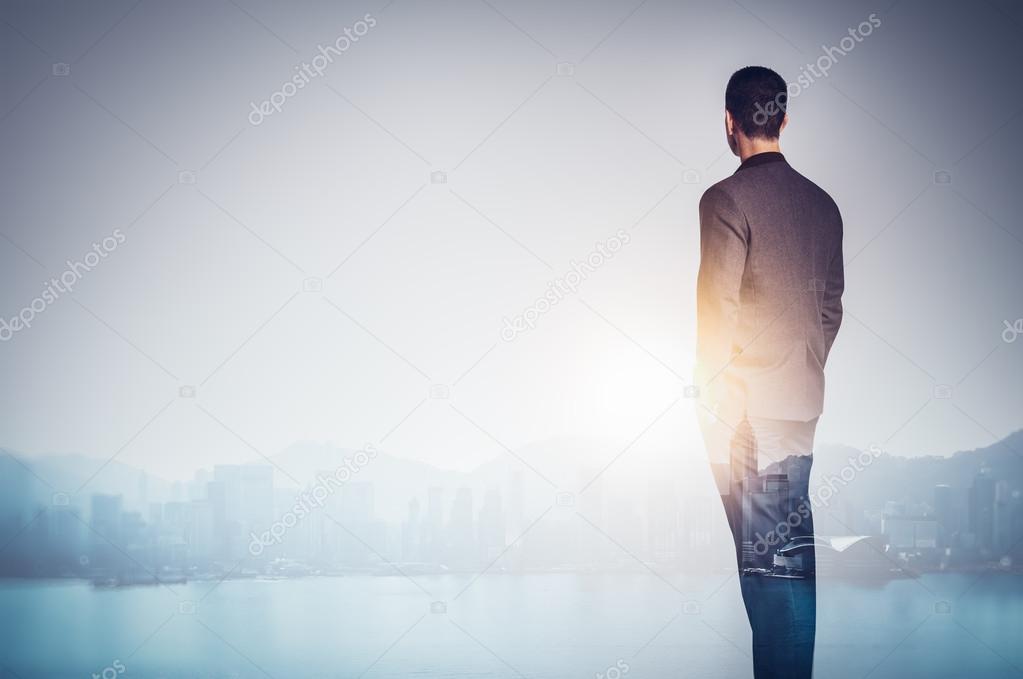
x=769, y=291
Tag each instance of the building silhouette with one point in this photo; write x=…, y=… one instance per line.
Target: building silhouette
x=982, y=511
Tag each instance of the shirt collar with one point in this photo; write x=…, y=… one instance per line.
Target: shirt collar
x=762, y=159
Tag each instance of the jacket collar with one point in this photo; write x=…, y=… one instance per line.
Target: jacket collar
x=762, y=159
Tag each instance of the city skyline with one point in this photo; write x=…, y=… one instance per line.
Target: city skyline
x=241, y=515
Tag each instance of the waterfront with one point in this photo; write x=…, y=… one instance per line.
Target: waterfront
x=543, y=626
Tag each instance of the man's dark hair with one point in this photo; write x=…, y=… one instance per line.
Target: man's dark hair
x=757, y=98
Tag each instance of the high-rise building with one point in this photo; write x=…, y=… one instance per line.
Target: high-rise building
x=202, y=522
x=248, y=492
x=662, y=514
x=1002, y=520
x=105, y=518
x=982, y=511
x=244, y=504
x=491, y=526
x=743, y=456
x=16, y=484
x=361, y=540
x=434, y=550
x=411, y=533
x=765, y=512
x=516, y=503
x=462, y=543
x=946, y=515
x=699, y=513
x=623, y=521
x=66, y=535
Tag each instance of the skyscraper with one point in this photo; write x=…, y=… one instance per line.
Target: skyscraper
x=982, y=510
x=765, y=509
x=491, y=525
x=662, y=514
x=411, y=533
x=944, y=512
x=742, y=467
x=743, y=454
x=460, y=529
x=433, y=539
x=105, y=518
x=1002, y=533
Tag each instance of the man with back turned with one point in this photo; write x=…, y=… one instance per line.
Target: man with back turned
x=769, y=305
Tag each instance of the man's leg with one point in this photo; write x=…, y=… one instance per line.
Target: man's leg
x=781, y=612
x=776, y=510
x=783, y=616
x=718, y=429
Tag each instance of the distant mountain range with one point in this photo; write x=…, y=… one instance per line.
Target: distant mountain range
x=909, y=481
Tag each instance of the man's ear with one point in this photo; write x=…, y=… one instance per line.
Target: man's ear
x=784, y=122
x=733, y=141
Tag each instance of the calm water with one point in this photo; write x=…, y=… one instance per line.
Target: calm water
x=544, y=626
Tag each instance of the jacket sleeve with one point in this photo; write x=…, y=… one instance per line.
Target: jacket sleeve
x=831, y=308
x=724, y=242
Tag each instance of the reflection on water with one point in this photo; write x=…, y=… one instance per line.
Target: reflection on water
x=540, y=626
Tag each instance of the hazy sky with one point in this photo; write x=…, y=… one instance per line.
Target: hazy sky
x=311, y=278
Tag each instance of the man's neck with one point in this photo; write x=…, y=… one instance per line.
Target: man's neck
x=751, y=147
